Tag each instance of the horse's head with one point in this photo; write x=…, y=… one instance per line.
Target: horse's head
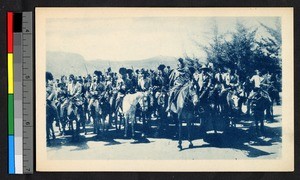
x=161, y=97
x=193, y=92
x=144, y=101
x=234, y=101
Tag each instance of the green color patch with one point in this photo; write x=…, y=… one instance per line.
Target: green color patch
x=10, y=114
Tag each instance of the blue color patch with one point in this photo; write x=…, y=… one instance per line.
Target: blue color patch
x=11, y=154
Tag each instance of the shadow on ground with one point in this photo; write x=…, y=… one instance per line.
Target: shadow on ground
x=242, y=138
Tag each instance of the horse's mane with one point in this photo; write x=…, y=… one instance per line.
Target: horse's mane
x=182, y=95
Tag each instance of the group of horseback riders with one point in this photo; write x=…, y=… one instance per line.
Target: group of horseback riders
x=80, y=98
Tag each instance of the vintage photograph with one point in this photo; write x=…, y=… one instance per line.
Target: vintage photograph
x=157, y=85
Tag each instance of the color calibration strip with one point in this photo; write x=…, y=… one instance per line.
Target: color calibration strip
x=10, y=66
x=20, y=92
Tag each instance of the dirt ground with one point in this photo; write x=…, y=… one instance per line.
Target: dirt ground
x=240, y=142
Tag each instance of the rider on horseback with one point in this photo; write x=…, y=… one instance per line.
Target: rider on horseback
x=97, y=88
x=178, y=78
x=51, y=94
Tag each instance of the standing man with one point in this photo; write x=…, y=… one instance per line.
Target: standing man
x=256, y=79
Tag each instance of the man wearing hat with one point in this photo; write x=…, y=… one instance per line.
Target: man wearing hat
x=145, y=82
x=130, y=81
x=96, y=89
x=204, y=80
x=178, y=78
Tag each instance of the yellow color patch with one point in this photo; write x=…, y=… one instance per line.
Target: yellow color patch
x=10, y=66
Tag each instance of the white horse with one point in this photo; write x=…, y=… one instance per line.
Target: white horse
x=129, y=108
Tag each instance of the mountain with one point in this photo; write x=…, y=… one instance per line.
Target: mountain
x=62, y=63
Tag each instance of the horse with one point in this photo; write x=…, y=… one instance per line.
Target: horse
x=75, y=112
x=209, y=106
x=184, y=109
x=129, y=108
x=94, y=108
x=233, y=109
x=144, y=108
x=274, y=96
x=104, y=113
x=259, y=103
x=51, y=114
x=230, y=104
x=161, y=102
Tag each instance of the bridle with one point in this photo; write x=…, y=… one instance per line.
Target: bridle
x=142, y=98
x=189, y=94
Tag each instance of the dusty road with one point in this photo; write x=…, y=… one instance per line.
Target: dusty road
x=237, y=143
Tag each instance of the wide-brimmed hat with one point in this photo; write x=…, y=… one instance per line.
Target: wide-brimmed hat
x=204, y=67
x=98, y=73
x=129, y=71
x=122, y=70
x=161, y=67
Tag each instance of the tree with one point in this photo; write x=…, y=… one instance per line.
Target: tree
x=216, y=50
x=241, y=50
x=272, y=46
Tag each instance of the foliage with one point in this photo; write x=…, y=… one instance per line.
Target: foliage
x=242, y=50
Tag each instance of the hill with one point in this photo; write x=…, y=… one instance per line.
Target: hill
x=63, y=63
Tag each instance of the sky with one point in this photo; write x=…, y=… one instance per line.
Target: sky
x=141, y=37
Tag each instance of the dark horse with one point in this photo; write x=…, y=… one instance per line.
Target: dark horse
x=230, y=106
x=100, y=110
x=259, y=103
x=209, y=107
x=75, y=112
x=104, y=113
x=161, y=103
x=115, y=103
x=51, y=114
x=184, y=109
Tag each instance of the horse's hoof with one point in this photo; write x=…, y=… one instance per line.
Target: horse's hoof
x=180, y=147
x=191, y=145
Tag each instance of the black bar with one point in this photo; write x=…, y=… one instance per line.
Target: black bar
x=17, y=22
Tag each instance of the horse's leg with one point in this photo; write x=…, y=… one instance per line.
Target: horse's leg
x=176, y=120
x=121, y=120
x=125, y=125
x=256, y=122
x=83, y=121
x=52, y=130
x=102, y=123
x=47, y=132
x=260, y=118
x=144, y=126
x=271, y=111
x=179, y=125
x=159, y=118
x=189, y=126
x=179, y=134
x=77, y=130
x=212, y=116
x=63, y=124
x=132, y=127
x=95, y=122
x=213, y=119
x=115, y=117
